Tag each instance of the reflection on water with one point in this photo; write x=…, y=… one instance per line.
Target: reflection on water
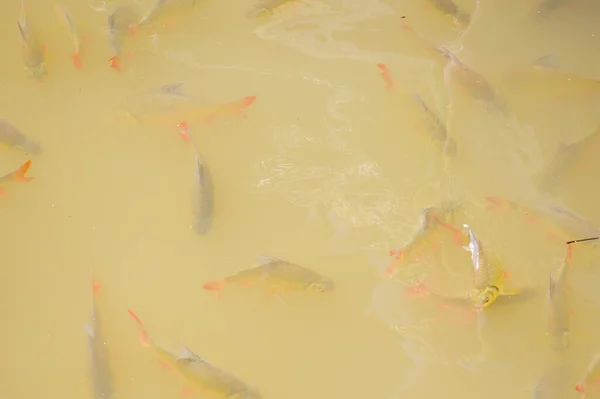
x=419, y=157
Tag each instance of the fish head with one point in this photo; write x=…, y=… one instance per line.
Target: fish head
x=482, y=298
x=322, y=285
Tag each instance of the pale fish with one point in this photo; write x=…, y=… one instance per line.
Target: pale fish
x=202, y=205
x=13, y=137
x=33, y=52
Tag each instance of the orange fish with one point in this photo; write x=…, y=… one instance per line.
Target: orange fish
x=386, y=75
x=76, y=56
x=185, y=130
x=16, y=176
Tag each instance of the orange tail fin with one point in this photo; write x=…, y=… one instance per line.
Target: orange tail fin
x=386, y=75
x=114, y=63
x=19, y=174
x=77, y=60
x=216, y=285
x=144, y=337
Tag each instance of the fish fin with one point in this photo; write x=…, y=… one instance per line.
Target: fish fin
x=96, y=285
x=114, y=63
x=216, y=285
x=77, y=60
x=185, y=130
x=88, y=330
x=144, y=338
x=19, y=174
x=164, y=365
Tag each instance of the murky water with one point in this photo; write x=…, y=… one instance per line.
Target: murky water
x=318, y=156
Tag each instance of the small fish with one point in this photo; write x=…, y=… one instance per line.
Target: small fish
x=448, y=7
x=279, y=275
x=552, y=385
x=488, y=274
x=203, y=375
x=118, y=22
x=76, y=56
x=472, y=81
x=16, y=176
x=591, y=378
x=211, y=379
x=558, y=301
x=12, y=137
x=102, y=380
x=437, y=130
x=33, y=51
x=429, y=218
x=203, y=198
x=386, y=75
x=267, y=8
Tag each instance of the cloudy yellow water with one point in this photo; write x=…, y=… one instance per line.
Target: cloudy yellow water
x=328, y=170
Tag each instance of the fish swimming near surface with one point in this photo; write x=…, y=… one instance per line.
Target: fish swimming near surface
x=18, y=176
x=436, y=129
x=204, y=376
x=33, y=51
x=119, y=21
x=76, y=55
x=102, y=378
x=202, y=200
x=430, y=218
x=591, y=378
x=279, y=275
x=14, y=138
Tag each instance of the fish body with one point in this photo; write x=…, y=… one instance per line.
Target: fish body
x=429, y=218
x=488, y=275
x=558, y=320
x=122, y=18
x=279, y=275
x=591, y=376
x=209, y=378
x=471, y=80
x=448, y=7
x=76, y=56
x=102, y=380
x=552, y=384
x=437, y=129
x=16, y=176
x=266, y=7
x=203, y=199
x=13, y=137
x=33, y=52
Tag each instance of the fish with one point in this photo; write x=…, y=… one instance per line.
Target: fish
x=102, y=377
x=437, y=130
x=432, y=50
x=14, y=138
x=552, y=384
x=429, y=218
x=472, y=81
x=76, y=56
x=591, y=376
x=205, y=112
x=279, y=275
x=16, y=176
x=569, y=160
x=449, y=8
x=121, y=19
x=558, y=305
x=203, y=198
x=386, y=75
x=267, y=8
x=488, y=274
x=33, y=51
x=199, y=372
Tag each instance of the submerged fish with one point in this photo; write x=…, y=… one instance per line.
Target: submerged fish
x=448, y=7
x=33, y=51
x=12, y=137
x=488, y=274
x=570, y=159
x=472, y=81
x=203, y=198
x=202, y=374
x=102, y=380
x=430, y=218
x=552, y=385
x=16, y=176
x=591, y=378
x=266, y=7
x=279, y=275
x=558, y=305
x=121, y=19
x=76, y=56
x=437, y=130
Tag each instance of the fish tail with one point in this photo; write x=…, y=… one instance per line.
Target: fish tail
x=185, y=130
x=114, y=63
x=580, y=387
x=143, y=337
x=216, y=285
x=77, y=60
x=19, y=174
x=386, y=75
x=248, y=101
